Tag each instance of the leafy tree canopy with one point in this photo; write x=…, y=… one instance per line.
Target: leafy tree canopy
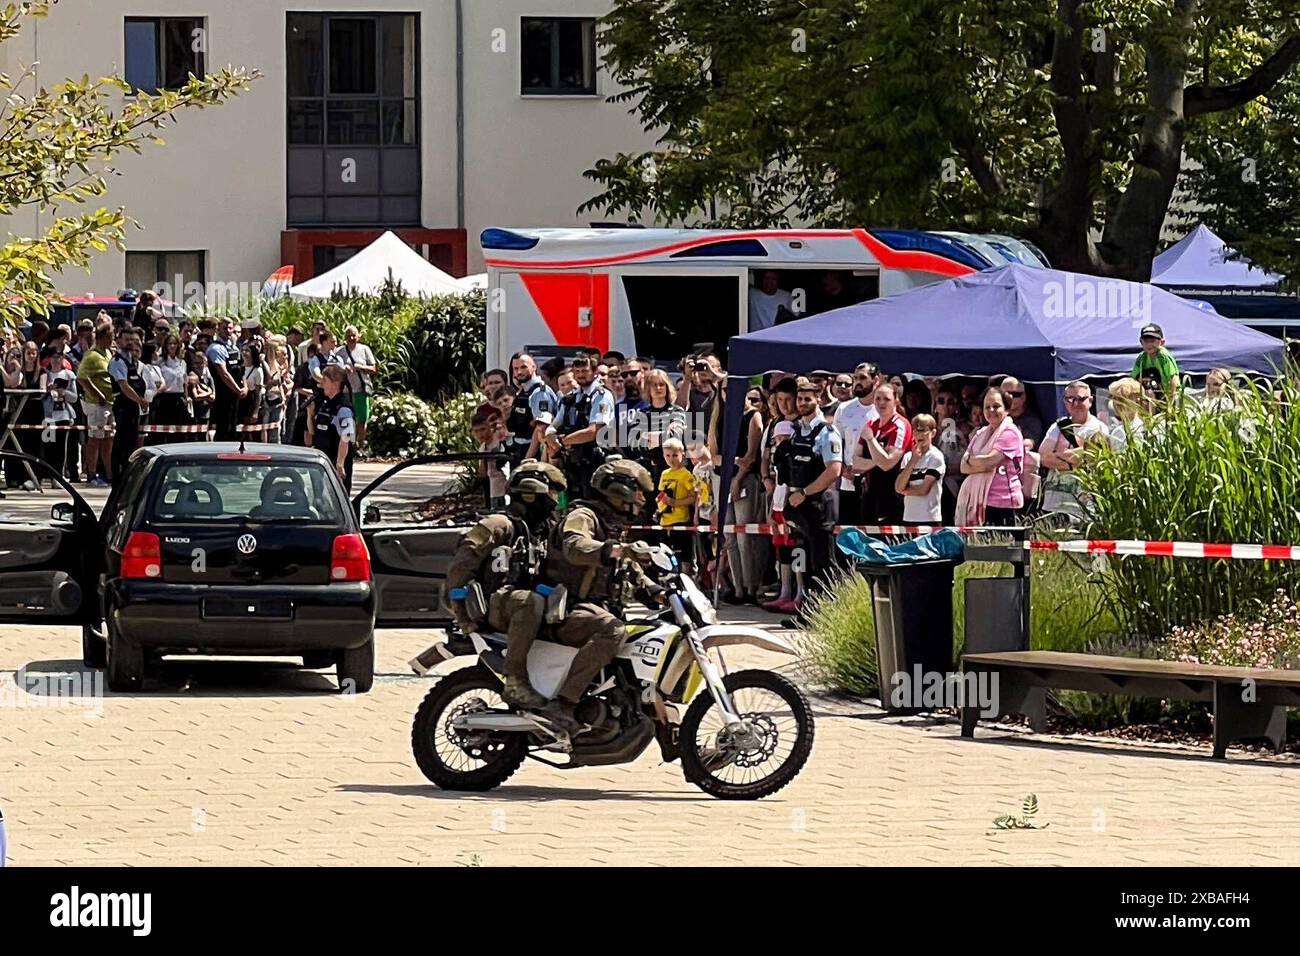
x=1069, y=122
x=56, y=151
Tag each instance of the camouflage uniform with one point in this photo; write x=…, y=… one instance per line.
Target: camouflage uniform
x=599, y=585
x=513, y=608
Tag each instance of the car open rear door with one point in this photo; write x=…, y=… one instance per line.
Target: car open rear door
x=50, y=550
x=412, y=517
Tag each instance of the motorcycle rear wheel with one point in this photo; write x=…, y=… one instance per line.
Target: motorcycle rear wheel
x=721, y=769
x=455, y=761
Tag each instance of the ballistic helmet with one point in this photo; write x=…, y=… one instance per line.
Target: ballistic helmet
x=621, y=482
x=536, y=478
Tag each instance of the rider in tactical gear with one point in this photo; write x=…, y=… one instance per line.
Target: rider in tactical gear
x=492, y=576
x=600, y=574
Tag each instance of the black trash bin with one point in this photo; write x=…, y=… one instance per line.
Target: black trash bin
x=912, y=605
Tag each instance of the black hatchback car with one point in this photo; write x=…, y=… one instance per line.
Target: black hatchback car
x=214, y=548
x=206, y=548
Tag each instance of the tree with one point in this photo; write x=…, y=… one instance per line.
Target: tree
x=56, y=149
x=1063, y=121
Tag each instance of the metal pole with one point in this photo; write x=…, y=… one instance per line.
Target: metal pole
x=460, y=115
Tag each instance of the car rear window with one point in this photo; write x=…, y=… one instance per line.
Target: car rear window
x=244, y=491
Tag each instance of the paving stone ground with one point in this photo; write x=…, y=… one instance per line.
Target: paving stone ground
x=245, y=763
x=252, y=764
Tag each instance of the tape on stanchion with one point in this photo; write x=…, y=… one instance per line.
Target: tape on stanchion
x=1173, y=549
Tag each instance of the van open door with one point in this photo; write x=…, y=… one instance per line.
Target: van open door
x=662, y=312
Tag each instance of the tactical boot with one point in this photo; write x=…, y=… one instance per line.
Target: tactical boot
x=560, y=713
x=519, y=693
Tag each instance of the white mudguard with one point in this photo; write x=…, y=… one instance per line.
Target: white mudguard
x=729, y=635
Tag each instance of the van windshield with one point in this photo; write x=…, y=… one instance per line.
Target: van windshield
x=243, y=491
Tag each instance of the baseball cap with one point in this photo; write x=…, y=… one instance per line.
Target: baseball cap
x=1151, y=331
x=783, y=428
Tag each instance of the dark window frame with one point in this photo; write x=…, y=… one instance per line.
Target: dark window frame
x=160, y=258
x=160, y=50
x=381, y=99
x=554, y=89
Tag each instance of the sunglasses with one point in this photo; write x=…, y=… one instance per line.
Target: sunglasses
x=1078, y=399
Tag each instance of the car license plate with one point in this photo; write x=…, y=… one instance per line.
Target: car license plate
x=278, y=609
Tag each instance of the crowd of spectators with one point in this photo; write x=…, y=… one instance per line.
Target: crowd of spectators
x=84, y=399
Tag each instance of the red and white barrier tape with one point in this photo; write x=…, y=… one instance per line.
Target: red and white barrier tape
x=1174, y=549
x=1149, y=549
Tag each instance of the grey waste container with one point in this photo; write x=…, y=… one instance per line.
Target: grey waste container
x=912, y=607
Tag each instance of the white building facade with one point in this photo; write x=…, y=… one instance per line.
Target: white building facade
x=435, y=119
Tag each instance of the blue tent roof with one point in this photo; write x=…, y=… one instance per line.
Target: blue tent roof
x=1041, y=325
x=1199, y=260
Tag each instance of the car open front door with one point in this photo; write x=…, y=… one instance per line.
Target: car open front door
x=49, y=549
x=411, y=517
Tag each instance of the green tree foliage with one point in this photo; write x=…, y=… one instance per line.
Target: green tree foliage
x=56, y=150
x=1063, y=121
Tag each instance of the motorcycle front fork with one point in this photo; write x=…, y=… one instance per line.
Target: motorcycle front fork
x=713, y=679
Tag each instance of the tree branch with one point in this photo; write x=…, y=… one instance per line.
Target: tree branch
x=1201, y=99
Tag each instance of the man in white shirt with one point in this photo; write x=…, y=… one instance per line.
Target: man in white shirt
x=360, y=364
x=850, y=419
x=766, y=299
x=1062, y=448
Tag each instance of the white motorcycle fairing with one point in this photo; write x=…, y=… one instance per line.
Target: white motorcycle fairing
x=548, y=662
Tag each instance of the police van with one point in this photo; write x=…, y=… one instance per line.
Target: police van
x=659, y=293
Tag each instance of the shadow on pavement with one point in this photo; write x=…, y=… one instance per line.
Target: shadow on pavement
x=179, y=678
x=508, y=792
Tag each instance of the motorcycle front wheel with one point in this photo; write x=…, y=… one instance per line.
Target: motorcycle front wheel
x=761, y=756
x=464, y=760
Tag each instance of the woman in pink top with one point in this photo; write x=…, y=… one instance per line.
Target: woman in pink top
x=993, y=463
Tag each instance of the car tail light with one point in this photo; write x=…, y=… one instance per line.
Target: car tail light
x=349, y=561
x=142, y=556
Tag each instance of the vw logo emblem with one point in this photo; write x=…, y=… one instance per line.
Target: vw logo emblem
x=246, y=544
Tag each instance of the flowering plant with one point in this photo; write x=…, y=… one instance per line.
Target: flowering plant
x=1269, y=639
x=403, y=426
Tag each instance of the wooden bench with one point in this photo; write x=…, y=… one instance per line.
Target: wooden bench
x=1249, y=702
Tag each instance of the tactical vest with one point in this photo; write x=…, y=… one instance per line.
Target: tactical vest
x=327, y=437
x=806, y=466
x=520, y=422
x=527, y=555
x=133, y=378
x=595, y=585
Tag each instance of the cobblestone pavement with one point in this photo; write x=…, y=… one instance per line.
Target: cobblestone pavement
x=249, y=763
x=255, y=763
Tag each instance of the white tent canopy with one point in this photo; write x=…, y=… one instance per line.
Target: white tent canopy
x=367, y=271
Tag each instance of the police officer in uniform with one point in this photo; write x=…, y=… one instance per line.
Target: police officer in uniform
x=227, y=369
x=496, y=567
x=331, y=423
x=816, y=449
x=601, y=575
x=128, y=398
x=574, y=441
x=533, y=411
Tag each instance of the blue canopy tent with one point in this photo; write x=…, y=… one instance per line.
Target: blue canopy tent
x=1044, y=326
x=1199, y=266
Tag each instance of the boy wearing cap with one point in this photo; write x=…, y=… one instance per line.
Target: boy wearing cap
x=1155, y=367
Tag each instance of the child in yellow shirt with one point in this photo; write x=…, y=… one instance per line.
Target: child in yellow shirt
x=676, y=500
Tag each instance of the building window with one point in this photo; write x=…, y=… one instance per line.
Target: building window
x=558, y=56
x=353, y=119
x=163, y=52
x=172, y=270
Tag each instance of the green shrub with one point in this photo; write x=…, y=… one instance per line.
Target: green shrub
x=838, y=648
x=404, y=426
x=1226, y=476
x=431, y=347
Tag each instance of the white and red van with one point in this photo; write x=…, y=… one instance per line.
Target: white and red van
x=662, y=293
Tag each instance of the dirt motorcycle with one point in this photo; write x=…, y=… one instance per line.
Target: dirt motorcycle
x=740, y=735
